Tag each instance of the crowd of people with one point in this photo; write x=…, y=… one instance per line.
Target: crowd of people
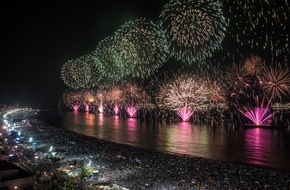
x=137, y=168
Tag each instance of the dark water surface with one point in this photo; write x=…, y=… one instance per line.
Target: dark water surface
x=260, y=146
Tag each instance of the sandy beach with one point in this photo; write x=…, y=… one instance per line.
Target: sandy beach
x=137, y=168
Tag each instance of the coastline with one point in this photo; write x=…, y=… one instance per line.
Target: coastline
x=168, y=153
x=139, y=168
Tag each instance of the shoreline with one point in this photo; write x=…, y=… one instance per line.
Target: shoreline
x=182, y=155
x=136, y=167
x=168, y=153
x=286, y=167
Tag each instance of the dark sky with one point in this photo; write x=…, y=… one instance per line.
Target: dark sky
x=38, y=38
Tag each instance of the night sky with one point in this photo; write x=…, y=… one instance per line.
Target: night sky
x=38, y=38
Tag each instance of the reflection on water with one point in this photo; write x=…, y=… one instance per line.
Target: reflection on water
x=184, y=137
x=180, y=136
x=132, y=130
x=258, y=146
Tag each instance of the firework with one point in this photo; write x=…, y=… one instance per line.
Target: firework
x=132, y=92
x=72, y=99
x=115, y=94
x=276, y=81
x=88, y=97
x=141, y=45
x=80, y=73
x=105, y=60
x=238, y=77
x=253, y=65
x=194, y=28
x=259, y=115
x=116, y=109
x=217, y=95
x=76, y=107
x=87, y=109
x=133, y=95
x=189, y=92
x=101, y=108
x=184, y=114
x=131, y=110
x=261, y=24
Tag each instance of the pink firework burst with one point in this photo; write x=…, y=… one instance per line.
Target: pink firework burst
x=101, y=108
x=185, y=114
x=259, y=115
x=75, y=107
x=87, y=108
x=116, y=109
x=131, y=110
